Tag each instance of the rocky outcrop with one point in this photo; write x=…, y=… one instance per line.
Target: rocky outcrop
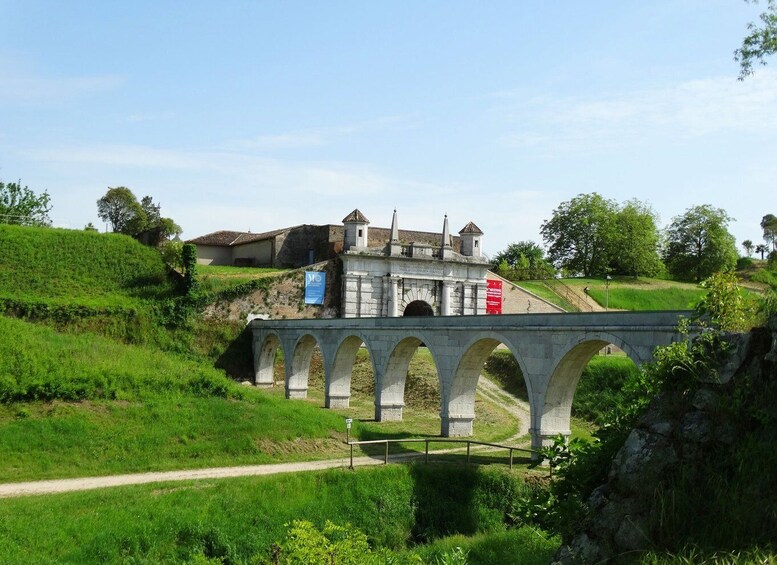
x=678, y=431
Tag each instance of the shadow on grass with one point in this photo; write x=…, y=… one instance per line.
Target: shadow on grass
x=237, y=359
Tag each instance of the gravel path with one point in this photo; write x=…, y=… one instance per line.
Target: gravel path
x=486, y=388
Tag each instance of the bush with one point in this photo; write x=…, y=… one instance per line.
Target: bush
x=744, y=263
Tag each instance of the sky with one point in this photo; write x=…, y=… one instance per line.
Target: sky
x=251, y=116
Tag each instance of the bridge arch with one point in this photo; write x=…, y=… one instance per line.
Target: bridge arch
x=457, y=411
x=556, y=409
x=298, y=367
x=392, y=377
x=264, y=360
x=338, y=377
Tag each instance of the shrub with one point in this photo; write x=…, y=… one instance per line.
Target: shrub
x=744, y=263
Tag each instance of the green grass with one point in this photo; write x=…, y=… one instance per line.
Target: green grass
x=68, y=267
x=540, y=289
x=215, y=279
x=627, y=298
x=83, y=405
x=238, y=520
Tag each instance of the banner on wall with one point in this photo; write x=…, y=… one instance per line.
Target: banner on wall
x=315, y=287
x=493, y=297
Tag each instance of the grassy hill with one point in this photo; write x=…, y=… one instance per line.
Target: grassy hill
x=67, y=267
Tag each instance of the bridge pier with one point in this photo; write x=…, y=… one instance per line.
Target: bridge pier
x=296, y=393
x=458, y=425
x=337, y=402
x=389, y=412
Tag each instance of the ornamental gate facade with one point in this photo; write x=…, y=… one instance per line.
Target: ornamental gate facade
x=551, y=350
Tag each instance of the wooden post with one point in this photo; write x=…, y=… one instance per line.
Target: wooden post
x=427, y=450
x=467, y=453
x=385, y=461
x=351, y=454
x=511, y=458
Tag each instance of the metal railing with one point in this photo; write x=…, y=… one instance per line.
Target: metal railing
x=560, y=288
x=427, y=441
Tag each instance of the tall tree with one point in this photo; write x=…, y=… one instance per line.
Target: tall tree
x=760, y=43
x=121, y=210
x=634, y=247
x=20, y=205
x=580, y=233
x=769, y=225
x=761, y=248
x=748, y=245
x=699, y=243
x=142, y=220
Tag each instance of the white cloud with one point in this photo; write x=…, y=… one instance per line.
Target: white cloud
x=22, y=87
x=687, y=110
x=318, y=136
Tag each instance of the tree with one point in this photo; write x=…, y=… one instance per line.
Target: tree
x=142, y=220
x=121, y=210
x=769, y=225
x=761, y=248
x=524, y=260
x=748, y=245
x=580, y=233
x=760, y=43
x=21, y=206
x=634, y=247
x=699, y=243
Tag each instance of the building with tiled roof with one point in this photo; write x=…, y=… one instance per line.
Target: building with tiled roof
x=385, y=271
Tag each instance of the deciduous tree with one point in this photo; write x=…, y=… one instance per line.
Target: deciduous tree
x=634, y=246
x=120, y=209
x=21, y=206
x=699, y=243
x=580, y=233
x=769, y=225
x=748, y=245
x=142, y=220
x=760, y=43
x=524, y=260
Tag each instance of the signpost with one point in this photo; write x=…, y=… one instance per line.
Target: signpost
x=348, y=429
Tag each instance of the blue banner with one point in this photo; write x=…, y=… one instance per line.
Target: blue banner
x=315, y=287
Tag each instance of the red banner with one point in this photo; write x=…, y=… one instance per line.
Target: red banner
x=493, y=297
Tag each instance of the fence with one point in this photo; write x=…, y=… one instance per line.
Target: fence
x=427, y=441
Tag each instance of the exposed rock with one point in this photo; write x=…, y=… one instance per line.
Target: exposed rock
x=736, y=354
x=674, y=431
x=696, y=427
x=644, y=456
x=706, y=399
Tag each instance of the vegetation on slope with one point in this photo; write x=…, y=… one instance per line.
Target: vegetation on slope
x=239, y=520
x=67, y=268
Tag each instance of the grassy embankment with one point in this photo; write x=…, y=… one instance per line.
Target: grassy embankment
x=76, y=403
x=239, y=520
x=626, y=293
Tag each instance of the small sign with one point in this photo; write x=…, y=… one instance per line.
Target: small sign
x=315, y=287
x=348, y=423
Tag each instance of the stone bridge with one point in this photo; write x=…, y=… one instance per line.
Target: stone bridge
x=551, y=349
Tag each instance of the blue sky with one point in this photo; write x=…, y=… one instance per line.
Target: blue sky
x=259, y=115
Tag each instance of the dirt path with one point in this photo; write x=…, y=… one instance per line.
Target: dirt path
x=487, y=388
x=514, y=405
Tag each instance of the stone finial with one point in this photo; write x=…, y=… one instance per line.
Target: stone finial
x=446, y=233
x=394, y=227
